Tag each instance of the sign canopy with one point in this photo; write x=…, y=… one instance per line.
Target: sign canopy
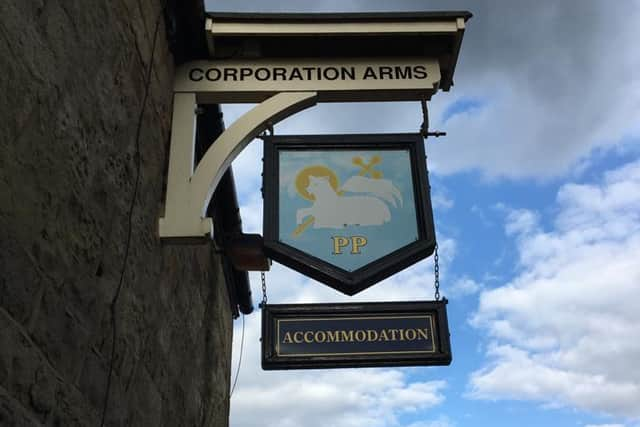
x=252, y=36
x=347, y=210
x=343, y=57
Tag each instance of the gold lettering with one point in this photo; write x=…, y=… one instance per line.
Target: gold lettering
x=320, y=336
x=332, y=336
x=424, y=333
x=287, y=338
x=356, y=243
x=306, y=335
x=339, y=242
x=360, y=335
x=347, y=336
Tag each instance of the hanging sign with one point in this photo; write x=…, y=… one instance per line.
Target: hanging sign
x=355, y=335
x=347, y=210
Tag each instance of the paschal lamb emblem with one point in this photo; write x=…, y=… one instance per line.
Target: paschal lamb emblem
x=360, y=201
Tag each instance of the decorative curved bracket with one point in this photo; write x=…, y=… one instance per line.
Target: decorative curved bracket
x=189, y=190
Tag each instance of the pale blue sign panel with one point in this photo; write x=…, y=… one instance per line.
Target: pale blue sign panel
x=346, y=207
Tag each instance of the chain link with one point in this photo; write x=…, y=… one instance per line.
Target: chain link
x=424, y=130
x=263, y=303
x=436, y=273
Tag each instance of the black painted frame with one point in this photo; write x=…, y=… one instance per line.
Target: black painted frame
x=273, y=312
x=344, y=281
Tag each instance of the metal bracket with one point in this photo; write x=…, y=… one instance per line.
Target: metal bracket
x=189, y=188
x=424, y=128
x=246, y=252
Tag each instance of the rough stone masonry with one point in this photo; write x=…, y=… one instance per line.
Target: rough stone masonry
x=72, y=83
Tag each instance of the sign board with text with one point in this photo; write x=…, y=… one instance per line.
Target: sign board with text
x=347, y=210
x=355, y=335
x=336, y=79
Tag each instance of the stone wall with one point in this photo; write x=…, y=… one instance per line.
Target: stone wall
x=72, y=84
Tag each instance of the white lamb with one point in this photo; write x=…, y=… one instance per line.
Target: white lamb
x=382, y=188
x=330, y=210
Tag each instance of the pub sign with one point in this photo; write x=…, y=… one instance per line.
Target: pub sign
x=355, y=335
x=347, y=210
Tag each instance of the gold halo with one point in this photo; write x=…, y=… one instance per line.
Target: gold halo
x=302, y=179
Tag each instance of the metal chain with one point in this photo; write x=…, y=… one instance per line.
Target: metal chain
x=263, y=303
x=424, y=130
x=436, y=273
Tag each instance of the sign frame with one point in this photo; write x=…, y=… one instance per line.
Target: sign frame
x=436, y=310
x=348, y=282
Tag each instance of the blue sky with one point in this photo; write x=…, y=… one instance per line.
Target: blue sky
x=536, y=193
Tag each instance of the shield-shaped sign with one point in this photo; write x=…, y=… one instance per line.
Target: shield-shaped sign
x=347, y=210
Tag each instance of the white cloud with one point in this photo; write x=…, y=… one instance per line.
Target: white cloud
x=521, y=221
x=538, y=117
x=251, y=213
x=440, y=200
x=564, y=330
x=604, y=425
x=464, y=286
x=366, y=398
x=339, y=398
x=548, y=101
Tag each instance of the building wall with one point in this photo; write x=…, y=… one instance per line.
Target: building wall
x=72, y=83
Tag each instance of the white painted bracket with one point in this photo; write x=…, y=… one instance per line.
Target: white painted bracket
x=189, y=189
